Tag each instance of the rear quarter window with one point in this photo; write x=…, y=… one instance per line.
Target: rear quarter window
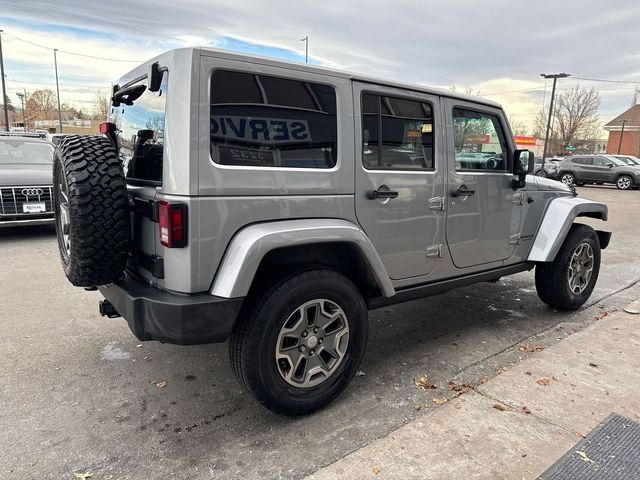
x=266, y=121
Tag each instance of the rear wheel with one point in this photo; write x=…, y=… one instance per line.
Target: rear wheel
x=298, y=344
x=567, y=282
x=568, y=179
x=624, y=182
x=542, y=173
x=91, y=210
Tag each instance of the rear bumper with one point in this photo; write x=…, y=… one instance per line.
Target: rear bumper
x=154, y=314
x=27, y=222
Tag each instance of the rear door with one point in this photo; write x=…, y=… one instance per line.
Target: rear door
x=483, y=211
x=400, y=177
x=140, y=132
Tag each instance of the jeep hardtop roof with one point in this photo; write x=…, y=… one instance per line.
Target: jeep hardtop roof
x=224, y=54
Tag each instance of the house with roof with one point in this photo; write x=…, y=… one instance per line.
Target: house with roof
x=624, y=133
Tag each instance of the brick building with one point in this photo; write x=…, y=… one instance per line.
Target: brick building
x=630, y=137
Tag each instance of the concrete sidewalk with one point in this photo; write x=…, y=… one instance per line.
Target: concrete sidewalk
x=518, y=424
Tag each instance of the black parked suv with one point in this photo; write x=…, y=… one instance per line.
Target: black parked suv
x=598, y=169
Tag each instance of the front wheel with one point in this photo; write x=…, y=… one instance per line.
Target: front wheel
x=541, y=173
x=298, y=344
x=624, y=182
x=568, y=179
x=567, y=282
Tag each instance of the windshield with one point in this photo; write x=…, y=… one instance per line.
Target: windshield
x=617, y=161
x=629, y=160
x=16, y=151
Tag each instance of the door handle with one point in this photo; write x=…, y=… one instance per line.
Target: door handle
x=463, y=191
x=382, y=192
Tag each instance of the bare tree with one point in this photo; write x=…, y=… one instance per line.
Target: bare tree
x=575, y=117
x=467, y=90
x=519, y=128
x=42, y=104
x=101, y=105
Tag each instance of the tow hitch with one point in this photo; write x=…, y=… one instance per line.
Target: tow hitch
x=107, y=310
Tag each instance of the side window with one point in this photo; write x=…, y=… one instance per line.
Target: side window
x=479, y=141
x=583, y=160
x=600, y=161
x=264, y=121
x=397, y=134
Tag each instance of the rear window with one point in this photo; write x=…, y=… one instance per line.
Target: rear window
x=140, y=131
x=15, y=151
x=266, y=121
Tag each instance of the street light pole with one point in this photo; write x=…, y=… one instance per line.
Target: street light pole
x=624, y=121
x=306, y=48
x=55, y=61
x=4, y=88
x=555, y=77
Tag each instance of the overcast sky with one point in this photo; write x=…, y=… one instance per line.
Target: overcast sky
x=499, y=47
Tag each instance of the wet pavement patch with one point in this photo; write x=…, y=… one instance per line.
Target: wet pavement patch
x=609, y=451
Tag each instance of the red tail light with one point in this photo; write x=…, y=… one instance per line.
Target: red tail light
x=172, y=222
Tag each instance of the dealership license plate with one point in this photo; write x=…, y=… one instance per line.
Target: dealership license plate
x=33, y=207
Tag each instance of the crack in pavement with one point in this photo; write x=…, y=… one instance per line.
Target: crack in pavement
x=548, y=329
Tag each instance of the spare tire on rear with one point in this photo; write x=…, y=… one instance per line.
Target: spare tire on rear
x=92, y=210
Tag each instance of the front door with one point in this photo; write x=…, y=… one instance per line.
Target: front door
x=400, y=177
x=483, y=211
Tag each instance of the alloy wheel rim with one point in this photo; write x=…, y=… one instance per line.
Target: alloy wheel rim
x=64, y=223
x=624, y=182
x=580, y=268
x=312, y=343
x=567, y=179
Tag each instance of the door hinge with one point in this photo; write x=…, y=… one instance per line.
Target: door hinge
x=434, y=251
x=436, y=203
x=515, y=239
x=518, y=198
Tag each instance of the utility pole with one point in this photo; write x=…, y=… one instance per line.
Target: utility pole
x=555, y=77
x=21, y=96
x=4, y=88
x=624, y=121
x=55, y=61
x=306, y=48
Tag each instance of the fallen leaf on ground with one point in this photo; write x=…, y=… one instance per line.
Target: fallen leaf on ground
x=538, y=348
x=578, y=434
x=500, y=370
x=358, y=439
x=499, y=406
x=543, y=381
x=584, y=457
x=423, y=383
x=440, y=401
x=360, y=373
x=457, y=405
x=525, y=347
x=418, y=406
x=83, y=476
x=161, y=384
x=484, y=379
x=594, y=365
x=376, y=470
x=190, y=377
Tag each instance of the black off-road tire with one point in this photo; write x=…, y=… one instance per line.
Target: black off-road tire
x=552, y=278
x=252, y=345
x=88, y=171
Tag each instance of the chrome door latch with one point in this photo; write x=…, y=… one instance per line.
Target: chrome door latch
x=434, y=251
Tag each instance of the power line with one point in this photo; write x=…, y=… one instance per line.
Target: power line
x=73, y=53
x=606, y=80
x=512, y=91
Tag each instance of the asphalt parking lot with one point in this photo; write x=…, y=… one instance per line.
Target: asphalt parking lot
x=79, y=393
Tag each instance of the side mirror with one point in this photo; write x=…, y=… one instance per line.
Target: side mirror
x=523, y=164
x=610, y=165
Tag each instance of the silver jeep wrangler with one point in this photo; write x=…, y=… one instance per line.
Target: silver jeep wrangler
x=273, y=204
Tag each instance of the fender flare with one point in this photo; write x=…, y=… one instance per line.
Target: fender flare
x=556, y=223
x=248, y=247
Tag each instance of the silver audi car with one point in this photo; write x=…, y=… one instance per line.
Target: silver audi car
x=25, y=181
